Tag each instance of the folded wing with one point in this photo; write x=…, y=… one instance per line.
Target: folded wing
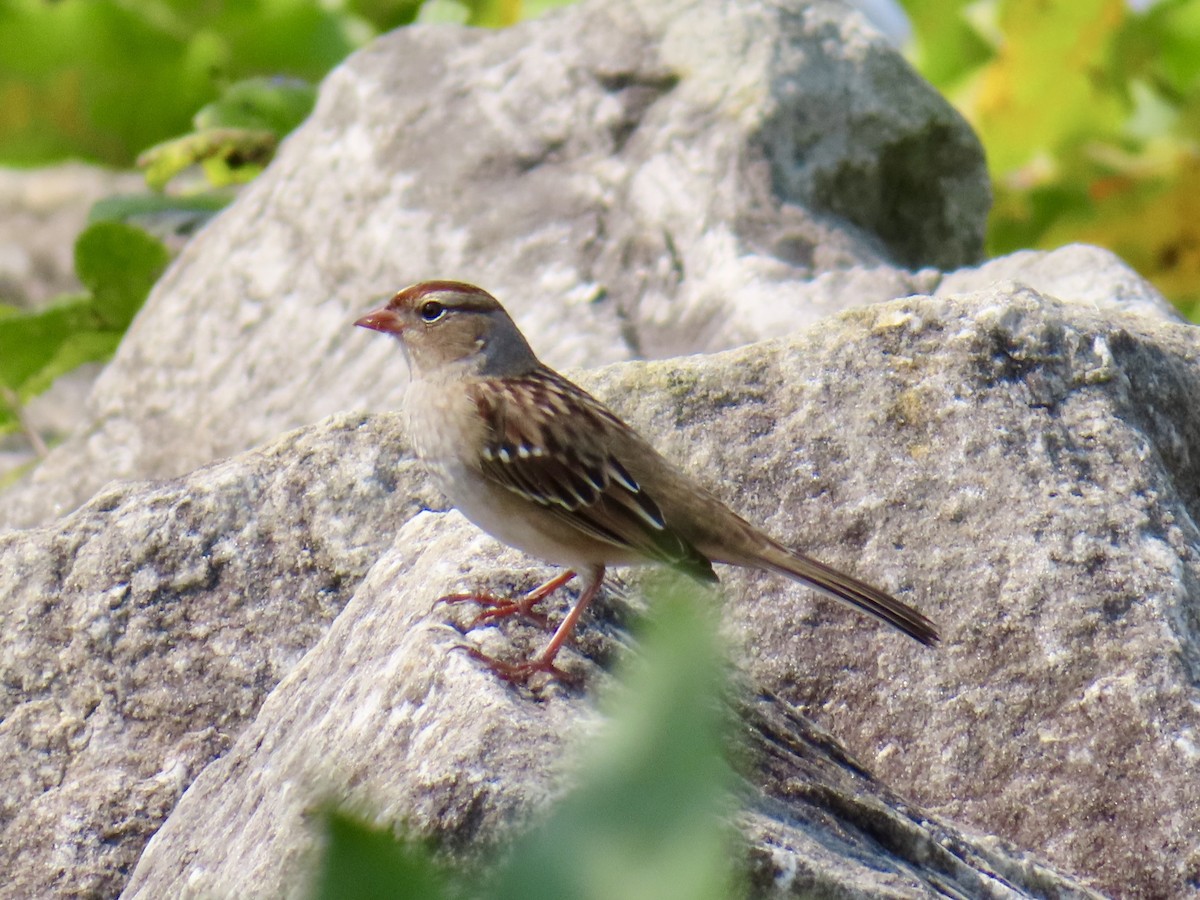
x=545, y=443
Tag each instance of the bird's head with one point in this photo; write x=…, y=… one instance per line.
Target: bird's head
x=444, y=323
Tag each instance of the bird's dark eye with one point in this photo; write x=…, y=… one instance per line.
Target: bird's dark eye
x=431, y=310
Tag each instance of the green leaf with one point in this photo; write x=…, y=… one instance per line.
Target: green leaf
x=236, y=155
x=130, y=208
x=648, y=820
x=118, y=264
x=362, y=863
x=30, y=341
x=103, y=79
x=263, y=104
x=74, y=350
x=236, y=135
x=166, y=217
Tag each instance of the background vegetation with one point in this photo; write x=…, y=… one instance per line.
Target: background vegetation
x=1090, y=114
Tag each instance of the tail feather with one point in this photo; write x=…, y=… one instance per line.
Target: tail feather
x=839, y=586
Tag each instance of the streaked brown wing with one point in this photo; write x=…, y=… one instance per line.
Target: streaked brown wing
x=543, y=444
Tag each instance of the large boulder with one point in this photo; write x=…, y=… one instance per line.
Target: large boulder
x=141, y=633
x=634, y=179
x=997, y=459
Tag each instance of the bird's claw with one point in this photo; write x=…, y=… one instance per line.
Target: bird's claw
x=498, y=608
x=518, y=672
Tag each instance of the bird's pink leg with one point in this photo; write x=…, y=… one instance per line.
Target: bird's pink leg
x=519, y=673
x=499, y=607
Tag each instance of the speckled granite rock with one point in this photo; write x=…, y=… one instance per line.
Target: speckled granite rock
x=1077, y=273
x=141, y=633
x=384, y=716
x=1015, y=465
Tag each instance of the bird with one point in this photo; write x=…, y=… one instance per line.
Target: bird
x=543, y=466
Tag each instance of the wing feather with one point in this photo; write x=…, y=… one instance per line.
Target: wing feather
x=545, y=443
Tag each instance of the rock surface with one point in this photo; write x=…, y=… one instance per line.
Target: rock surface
x=1014, y=465
x=634, y=179
x=141, y=633
x=384, y=716
x=1077, y=273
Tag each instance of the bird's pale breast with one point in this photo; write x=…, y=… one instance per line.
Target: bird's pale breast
x=445, y=437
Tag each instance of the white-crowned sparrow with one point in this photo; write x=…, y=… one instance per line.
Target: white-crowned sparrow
x=543, y=466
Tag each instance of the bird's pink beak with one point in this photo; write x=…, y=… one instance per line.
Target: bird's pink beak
x=383, y=319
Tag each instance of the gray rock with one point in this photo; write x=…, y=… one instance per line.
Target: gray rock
x=383, y=716
x=141, y=633
x=1015, y=465
x=1078, y=273
x=633, y=179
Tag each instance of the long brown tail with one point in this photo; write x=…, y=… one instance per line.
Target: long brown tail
x=839, y=586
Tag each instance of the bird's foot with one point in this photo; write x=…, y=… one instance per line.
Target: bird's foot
x=519, y=672
x=498, y=608
x=501, y=607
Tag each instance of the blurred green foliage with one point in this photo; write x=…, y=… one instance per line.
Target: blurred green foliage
x=118, y=264
x=361, y=862
x=102, y=80
x=649, y=819
x=1090, y=114
x=212, y=85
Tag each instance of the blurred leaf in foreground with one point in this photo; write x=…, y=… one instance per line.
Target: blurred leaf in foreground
x=649, y=819
x=363, y=863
